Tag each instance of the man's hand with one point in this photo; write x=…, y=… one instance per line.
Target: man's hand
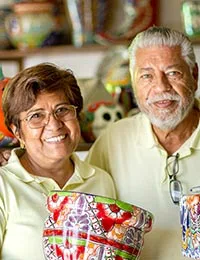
x=4, y=156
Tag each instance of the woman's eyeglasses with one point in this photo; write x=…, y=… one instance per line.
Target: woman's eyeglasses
x=175, y=186
x=40, y=118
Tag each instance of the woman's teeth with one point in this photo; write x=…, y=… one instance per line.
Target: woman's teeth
x=55, y=139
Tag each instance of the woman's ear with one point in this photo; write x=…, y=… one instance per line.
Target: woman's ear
x=15, y=131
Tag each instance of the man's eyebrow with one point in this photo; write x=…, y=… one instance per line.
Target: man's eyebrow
x=177, y=65
x=145, y=69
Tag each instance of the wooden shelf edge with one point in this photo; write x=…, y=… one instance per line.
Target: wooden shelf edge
x=19, y=54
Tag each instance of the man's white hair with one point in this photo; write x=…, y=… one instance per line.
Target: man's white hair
x=161, y=36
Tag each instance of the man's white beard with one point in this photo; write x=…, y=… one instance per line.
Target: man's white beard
x=165, y=119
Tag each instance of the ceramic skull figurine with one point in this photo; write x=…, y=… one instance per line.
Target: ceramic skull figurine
x=97, y=116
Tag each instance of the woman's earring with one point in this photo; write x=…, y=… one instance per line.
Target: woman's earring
x=22, y=144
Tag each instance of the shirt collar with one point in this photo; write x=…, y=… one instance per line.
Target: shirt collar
x=144, y=134
x=82, y=170
x=14, y=166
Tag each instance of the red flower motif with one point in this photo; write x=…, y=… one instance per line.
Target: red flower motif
x=111, y=215
x=117, y=257
x=55, y=205
x=55, y=197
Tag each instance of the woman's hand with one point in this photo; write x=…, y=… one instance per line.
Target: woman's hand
x=4, y=156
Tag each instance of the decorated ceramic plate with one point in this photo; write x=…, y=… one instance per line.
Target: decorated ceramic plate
x=120, y=20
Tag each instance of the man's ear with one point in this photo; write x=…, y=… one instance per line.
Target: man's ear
x=195, y=72
x=15, y=131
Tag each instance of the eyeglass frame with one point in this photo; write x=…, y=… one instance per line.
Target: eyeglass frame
x=173, y=180
x=28, y=117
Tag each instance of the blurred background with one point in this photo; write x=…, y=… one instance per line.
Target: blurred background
x=91, y=38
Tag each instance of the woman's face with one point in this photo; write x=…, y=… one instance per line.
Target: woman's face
x=57, y=139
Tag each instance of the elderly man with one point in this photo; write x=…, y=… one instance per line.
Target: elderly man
x=154, y=156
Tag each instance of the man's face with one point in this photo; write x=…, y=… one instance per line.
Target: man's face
x=164, y=85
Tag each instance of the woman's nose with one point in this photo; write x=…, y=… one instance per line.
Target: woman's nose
x=53, y=121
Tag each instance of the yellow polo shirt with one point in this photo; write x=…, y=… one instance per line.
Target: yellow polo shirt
x=131, y=153
x=23, y=204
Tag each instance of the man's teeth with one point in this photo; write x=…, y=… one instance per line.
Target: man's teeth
x=55, y=139
x=163, y=101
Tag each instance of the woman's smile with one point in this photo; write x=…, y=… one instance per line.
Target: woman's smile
x=55, y=139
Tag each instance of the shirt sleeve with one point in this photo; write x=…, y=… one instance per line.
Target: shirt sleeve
x=2, y=220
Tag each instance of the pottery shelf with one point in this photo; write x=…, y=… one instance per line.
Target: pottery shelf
x=19, y=55
x=195, y=41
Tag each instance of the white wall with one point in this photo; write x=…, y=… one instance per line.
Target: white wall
x=84, y=65
x=170, y=14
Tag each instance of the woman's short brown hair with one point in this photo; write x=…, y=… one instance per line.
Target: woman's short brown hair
x=22, y=90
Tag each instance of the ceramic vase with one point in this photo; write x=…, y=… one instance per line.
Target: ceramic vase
x=84, y=226
x=190, y=10
x=30, y=24
x=190, y=223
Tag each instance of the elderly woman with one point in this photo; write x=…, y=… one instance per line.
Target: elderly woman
x=41, y=105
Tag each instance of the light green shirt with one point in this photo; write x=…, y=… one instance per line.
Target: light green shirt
x=130, y=152
x=23, y=199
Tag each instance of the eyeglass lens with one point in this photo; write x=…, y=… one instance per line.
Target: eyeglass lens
x=63, y=113
x=175, y=186
x=175, y=191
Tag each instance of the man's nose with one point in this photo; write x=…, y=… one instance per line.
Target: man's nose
x=162, y=83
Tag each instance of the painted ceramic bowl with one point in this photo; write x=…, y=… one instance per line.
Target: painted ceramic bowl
x=190, y=223
x=85, y=226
